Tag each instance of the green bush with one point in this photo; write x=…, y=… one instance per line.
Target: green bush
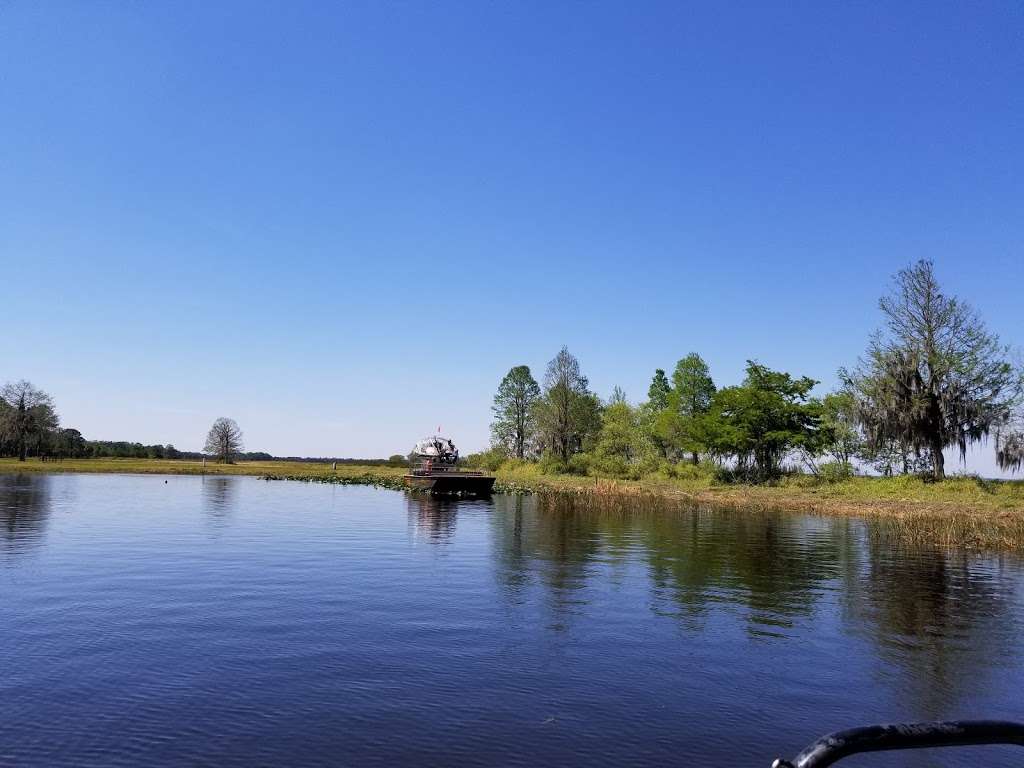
x=687, y=471
x=610, y=466
x=550, y=464
x=489, y=460
x=579, y=464
x=836, y=471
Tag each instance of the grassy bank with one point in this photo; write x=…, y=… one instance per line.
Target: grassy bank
x=961, y=511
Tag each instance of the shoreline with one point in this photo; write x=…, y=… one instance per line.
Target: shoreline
x=961, y=512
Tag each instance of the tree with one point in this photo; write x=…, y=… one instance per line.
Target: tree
x=568, y=414
x=224, y=440
x=514, y=424
x=936, y=377
x=28, y=418
x=659, y=391
x=618, y=395
x=761, y=421
x=840, y=436
x=70, y=443
x=689, y=399
x=1010, y=444
x=617, y=446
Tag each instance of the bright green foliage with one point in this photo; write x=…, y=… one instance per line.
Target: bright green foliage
x=692, y=387
x=839, y=437
x=491, y=459
x=568, y=414
x=678, y=426
x=658, y=392
x=513, y=427
x=619, y=443
x=759, y=422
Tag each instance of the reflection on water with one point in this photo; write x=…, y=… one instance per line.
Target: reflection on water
x=553, y=631
x=218, y=495
x=433, y=518
x=938, y=618
x=24, y=511
x=774, y=567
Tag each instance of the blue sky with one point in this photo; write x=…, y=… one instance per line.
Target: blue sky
x=341, y=223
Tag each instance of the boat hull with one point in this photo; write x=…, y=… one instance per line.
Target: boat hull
x=452, y=484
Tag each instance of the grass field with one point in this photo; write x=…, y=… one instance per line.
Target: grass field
x=962, y=511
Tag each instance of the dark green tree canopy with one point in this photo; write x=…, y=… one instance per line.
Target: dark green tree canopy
x=658, y=392
x=514, y=424
x=759, y=422
x=692, y=387
x=28, y=418
x=676, y=428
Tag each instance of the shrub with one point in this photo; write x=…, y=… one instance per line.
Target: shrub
x=836, y=471
x=579, y=464
x=550, y=464
x=687, y=471
x=490, y=460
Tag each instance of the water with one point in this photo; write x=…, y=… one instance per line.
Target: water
x=231, y=621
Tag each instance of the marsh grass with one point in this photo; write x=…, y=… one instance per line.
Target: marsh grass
x=298, y=470
x=962, y=511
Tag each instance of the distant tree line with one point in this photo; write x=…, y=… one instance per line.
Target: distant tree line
x=933, y=378
x=30, y=428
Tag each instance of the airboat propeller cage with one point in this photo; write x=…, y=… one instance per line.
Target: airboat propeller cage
x=435, y=447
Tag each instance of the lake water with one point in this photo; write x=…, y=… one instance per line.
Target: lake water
x=232, y=621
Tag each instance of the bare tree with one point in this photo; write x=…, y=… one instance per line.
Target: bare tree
x=938, y=378
x=28, y=416
x=568, y=413
x=224, y=440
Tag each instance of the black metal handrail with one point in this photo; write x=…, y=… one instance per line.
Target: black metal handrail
x=880, y=738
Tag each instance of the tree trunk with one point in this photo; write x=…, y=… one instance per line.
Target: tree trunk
x=938, y=461
x=22, y=449
x=696, y=458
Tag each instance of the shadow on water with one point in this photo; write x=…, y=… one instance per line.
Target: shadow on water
x=25, y=508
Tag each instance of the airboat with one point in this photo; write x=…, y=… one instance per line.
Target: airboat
x=434, y=467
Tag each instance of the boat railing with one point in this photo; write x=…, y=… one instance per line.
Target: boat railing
x=434, y=467
x=880, y=738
